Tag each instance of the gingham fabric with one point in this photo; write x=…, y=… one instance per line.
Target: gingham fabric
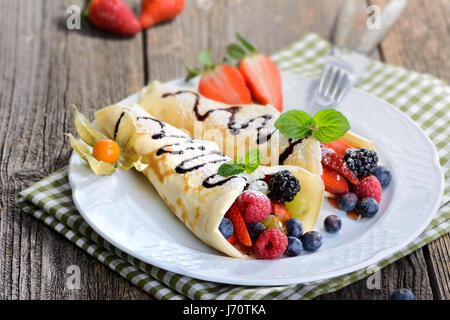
x=425, y=99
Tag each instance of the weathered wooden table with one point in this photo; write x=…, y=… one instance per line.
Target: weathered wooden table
x=44, y=67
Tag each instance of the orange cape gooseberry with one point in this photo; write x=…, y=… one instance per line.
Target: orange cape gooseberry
x=106, y=150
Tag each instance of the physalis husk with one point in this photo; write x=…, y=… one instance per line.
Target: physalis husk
x=126, y=137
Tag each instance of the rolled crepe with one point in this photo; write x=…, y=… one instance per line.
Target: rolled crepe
x=236, y=129
x=184, y=172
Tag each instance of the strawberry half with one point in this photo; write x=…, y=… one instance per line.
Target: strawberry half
x=221, y=82
x=112, y=15
x=335, y=161
x=261, y=74
x=279, y=209
x=340, y=146
x=334, y=182
x=232, y=240
x=156, y=11
x=240, y=230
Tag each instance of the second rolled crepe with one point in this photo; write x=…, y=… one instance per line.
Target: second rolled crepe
x=235, y=129
x=184, y=172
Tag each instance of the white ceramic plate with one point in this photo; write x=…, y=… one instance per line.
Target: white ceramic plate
x=126, y=210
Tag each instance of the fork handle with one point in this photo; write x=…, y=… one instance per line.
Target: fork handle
x=371, y=37
x=344, y=23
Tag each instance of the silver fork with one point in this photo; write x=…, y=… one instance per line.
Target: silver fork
x=341, y=70
x=336, y=77
x=335, y=80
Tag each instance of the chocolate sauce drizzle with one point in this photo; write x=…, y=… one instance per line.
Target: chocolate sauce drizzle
x=288, y=151
x=182, y=167
x=234, y=128
x=116, y=128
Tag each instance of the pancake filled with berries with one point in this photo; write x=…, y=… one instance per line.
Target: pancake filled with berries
x=236, y=205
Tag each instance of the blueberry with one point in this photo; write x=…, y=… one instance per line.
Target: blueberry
x=383, y=175
x=294, y=228
x=294, y=247
x=332, y=224
x=367, y=207
x=402, y=294
x=255, y=229
x=312, y=241
x=347, y=201
x=226, y=227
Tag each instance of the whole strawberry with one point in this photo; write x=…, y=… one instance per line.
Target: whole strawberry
x=368, y=187
x=112, y=15
x=156, y=11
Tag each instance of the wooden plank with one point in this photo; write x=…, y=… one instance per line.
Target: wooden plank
x=269, y=25
x=421, y=41
x=438, y=260
x=45, y=68
x=409, y=272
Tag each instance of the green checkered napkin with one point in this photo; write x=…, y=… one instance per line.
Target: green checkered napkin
x=425, y=99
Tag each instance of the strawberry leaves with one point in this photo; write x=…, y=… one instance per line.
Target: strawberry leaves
x=205, y=59
x=236, y=51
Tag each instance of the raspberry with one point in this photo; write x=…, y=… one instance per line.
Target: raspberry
x=255, y=206
x=270, y=245
x=370, y=187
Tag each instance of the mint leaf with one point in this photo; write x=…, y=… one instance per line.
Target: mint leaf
x=237, y=166
x=330, y=125
x=230, y=169
x=295, y=124
x=252, y=160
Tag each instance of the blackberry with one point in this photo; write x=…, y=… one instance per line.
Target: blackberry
x=362, y=162
x=283, y=186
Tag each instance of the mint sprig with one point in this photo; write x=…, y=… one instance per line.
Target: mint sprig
x=327, y=125
x=249, y=164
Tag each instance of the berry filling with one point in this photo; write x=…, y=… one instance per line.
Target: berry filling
x=261, y=223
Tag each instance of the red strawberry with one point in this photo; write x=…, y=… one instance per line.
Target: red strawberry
x=335, y=161
x=334, y=182
x=113, y=16
x=232, y=240
x=222, y=83
x=340, y=146
x=156, y=11
x=368, y=186
x=280, y=210
x=240, y=230
x=260, y=73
